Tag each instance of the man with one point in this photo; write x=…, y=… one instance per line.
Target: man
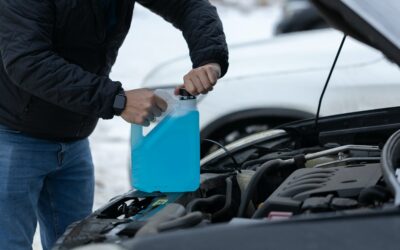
x=55, y=58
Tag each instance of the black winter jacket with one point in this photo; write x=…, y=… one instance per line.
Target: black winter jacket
x=56, y=55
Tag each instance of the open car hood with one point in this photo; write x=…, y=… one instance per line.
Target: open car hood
x=370, y=21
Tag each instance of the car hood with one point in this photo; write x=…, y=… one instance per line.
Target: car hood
x=370, y=21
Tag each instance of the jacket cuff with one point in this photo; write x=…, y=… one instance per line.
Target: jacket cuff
x=108, y=111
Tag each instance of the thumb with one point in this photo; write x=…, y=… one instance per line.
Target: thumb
x=178, y=88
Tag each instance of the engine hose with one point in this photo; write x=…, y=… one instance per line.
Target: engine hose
x=266, y=168
x=374, y=194
x=389, y=158
x=227, y=152
x=262, y=211
x=187, y=221
x=207, y=205
x=251, y=163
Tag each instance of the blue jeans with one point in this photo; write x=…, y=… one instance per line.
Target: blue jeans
x=44, y=181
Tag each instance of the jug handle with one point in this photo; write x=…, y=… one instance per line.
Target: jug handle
x=136, y=135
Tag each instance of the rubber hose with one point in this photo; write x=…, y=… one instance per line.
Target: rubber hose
x=248, y=194
x=262, y=211
x=390, y=150
x=189, y=220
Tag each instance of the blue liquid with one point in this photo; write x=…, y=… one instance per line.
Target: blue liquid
x=168, y=158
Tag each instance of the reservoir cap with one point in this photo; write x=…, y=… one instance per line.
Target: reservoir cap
x=185, y=95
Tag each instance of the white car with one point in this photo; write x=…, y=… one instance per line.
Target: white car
x=279, y=80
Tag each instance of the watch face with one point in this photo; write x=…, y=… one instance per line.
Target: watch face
x=119, y=104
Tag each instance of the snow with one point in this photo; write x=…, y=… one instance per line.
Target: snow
x=151, y=42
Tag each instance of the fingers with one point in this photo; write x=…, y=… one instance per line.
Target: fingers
x=189, y=85
x=212, y=75
x=156, y=111
x=161, y=104
x=150, y=117
x=140, y=118
x=205, y=81
x=146, y=123
x=193, y=83
x=143, y=106
x=178, y=88
x=200, y=88
x=144, y=118
x=201, y=80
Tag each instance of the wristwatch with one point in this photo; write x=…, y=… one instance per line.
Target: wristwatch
x=119, y=103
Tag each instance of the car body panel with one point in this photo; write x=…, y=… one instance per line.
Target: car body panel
x=288, y=73
x=329, y=233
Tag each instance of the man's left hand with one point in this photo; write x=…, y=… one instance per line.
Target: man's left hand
x=201, y=80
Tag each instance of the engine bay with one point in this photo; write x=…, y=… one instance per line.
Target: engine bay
x=270, y=177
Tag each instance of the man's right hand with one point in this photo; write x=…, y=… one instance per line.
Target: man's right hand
x=143, y=106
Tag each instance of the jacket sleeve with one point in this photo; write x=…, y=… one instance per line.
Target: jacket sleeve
x=26, y=31
x=201, y=27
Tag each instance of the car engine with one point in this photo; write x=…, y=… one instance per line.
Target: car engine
x=270, y=176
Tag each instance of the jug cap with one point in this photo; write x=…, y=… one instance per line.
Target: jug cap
x=185, y=95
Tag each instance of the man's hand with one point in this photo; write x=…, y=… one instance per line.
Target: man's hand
x=143, y=106
x=201, y=80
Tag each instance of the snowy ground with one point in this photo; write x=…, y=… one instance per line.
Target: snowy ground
x=150, y=42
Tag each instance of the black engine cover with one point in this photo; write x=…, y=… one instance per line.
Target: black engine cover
x=343, y=182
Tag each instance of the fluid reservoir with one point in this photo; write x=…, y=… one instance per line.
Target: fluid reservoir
x=167, y=159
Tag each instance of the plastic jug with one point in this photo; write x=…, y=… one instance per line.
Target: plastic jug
x=167, y=159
